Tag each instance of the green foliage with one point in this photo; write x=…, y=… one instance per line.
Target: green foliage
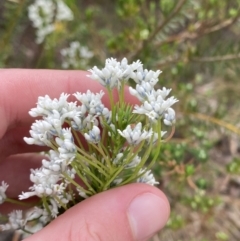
x=202, y=202
x=234, y=166
x=222, y=236
x=175, y=221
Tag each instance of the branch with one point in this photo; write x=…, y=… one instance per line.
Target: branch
x=217, y=58
x=158, y=29
x=167, y=61
x=186, y=35
x=216, y=121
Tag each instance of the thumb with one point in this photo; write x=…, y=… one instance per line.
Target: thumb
x=130, y=213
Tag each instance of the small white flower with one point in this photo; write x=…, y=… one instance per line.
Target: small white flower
x=147, y=177
x=117, y=158
x=66, y=144
x=92, y=102
x=145, y=76
x=136, y=135
x=155, y=107
x=3, y=189
x=134, y=162
x=169, y=117
x=142, y=91
x=117, y=181
x=54, y=208
x=34, y=214
x=82, y=193
x=93, y=136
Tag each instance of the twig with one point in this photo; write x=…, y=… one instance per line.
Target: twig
x=167, y=61
x=158, y=29
x=216, y=121
x=186, y=35
x=217, y=58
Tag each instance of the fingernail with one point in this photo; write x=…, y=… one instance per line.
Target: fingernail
x=147, y=214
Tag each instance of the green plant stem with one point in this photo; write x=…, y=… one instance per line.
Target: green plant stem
x=110, y=94
x=121, y=96
x=78, y=139
x=105, y=187
x=84, y=153
x=96, y=165
x=61, y=203
x=106, y=158
x=13, y=201
x=158, y=145
x=76, y=184
x=45, y=204
x=26, y=231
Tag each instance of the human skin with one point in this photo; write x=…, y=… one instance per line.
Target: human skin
x=128, y=213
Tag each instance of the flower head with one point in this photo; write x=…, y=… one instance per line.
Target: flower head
x=136, y=135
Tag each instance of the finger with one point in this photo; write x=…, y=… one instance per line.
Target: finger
x=12, y=143
x=133, y=213
x=19, y=90
x=15, y=171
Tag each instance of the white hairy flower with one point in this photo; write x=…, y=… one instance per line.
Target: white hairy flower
x=54, y=208
x=156, y=137
x=117, y=181
x=93, y=136
x=117, y=158
x=82, y=193
x=40, y=214
x=147, y=177
x=92, y=102
x=144, y=75
x=35, y=213
x=142, y=91
x=134, y=162
x=136, y=135
x=3, y=189
x=67, y=148
x=169, y=117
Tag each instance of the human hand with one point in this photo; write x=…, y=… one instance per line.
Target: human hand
x=132, y=212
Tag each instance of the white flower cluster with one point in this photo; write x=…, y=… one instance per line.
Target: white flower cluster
x=136, y=135
x=147, y=177
x=155, y=104
x=18, y=221
x=45, y=13
x=76, y=56
x=50, y=132
x=114, y=141
x=114, y=72
x=15, y=221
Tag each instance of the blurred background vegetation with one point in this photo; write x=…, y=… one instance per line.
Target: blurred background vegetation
x=196, y=43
